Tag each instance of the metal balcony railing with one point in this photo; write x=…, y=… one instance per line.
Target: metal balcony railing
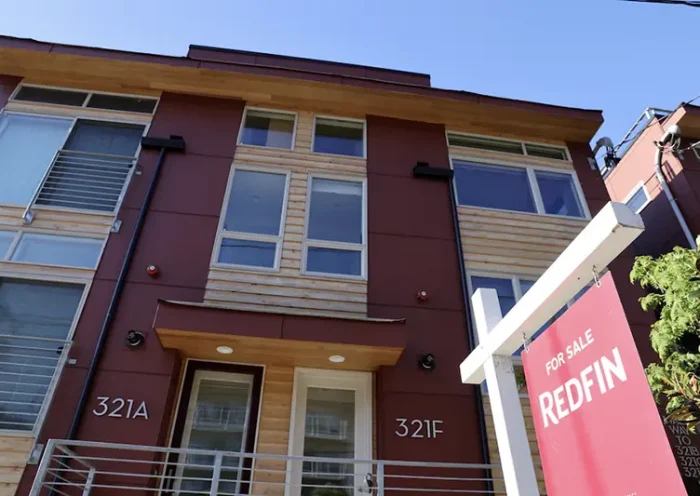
x=82, y=180
x=81, y=468
x=29, y=370
x=326, y=427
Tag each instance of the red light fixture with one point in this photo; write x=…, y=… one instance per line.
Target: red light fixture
x=152, y=271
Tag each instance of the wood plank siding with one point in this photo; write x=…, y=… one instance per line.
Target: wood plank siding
x=288, y=289
x=505, y=243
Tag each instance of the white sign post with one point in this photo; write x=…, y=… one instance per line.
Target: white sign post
x=600, y=242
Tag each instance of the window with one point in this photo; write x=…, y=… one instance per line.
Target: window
x=49, y=249
x=339, y=137
x=73, y=98
x=508, y=146
x=335, y=237
x=251, y=234
x=35, y=320
x=638, y=198
x=75, y=163
x=270, y=129
x=521, y=189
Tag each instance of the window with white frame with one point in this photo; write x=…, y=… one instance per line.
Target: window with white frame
x=638, y=198
x=339, y=136
x=521, y=189
x=50, y=249
x=508, y=146
x=335, y=229
x=36, y=318
x=87, y=99
x=268, y=128
x=253, y=220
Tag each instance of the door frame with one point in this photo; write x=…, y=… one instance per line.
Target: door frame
x=361, y=383
x=185, y=397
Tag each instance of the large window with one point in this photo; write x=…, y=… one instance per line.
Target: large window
x=35, y=321
x=50, y=249
x=521, y=189
x=251, y=234
x=335, y=231
x=68, y=162
x=508, y=146
x=268, y=128
x=339, y=137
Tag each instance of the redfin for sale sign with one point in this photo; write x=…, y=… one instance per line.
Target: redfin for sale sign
x=598, y=429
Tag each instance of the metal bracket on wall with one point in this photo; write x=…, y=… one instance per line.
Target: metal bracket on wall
x=35, y=454
x=116, y=226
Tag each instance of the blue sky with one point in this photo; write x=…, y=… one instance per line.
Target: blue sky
x=605, y=54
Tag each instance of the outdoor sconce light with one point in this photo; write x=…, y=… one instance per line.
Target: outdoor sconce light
x=427, y=362
x=152, y=271
x=134, y=339
x=422, y=296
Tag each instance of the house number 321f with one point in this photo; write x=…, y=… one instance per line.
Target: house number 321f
x=418, y=428
x=115, y=407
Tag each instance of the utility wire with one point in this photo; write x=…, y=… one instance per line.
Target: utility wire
x=688, y=3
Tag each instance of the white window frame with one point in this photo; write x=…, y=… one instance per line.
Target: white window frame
x=84, y=106
x=532, y=180
x=266, y=238
x=49, y=398
x=76, y=114
x=639, y=186
x=272, y=111
x=346, y=119
x=361, y=247
x=361, y=383
x=7, y=256
x=523, y=145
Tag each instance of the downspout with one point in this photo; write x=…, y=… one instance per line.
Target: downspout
x=671, y=136
x=174, y=143
x=423, y=169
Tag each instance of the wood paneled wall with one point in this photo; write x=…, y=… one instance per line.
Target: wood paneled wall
x=13, y=457
x=288, y=289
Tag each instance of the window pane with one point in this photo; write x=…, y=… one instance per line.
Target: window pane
x=111, y=138
x=268, y=129
x=559, y=194
x=339, y=137
x=27, y=146
x=329, y=433
x=39, y=310
x=6, y=238
x=123, y=103
x=58, y=250
x=255, y=202
x=336, y=211
x=333, y=261
x=546, y=151
x=637, y=200
x=48, y=95
x=491, y=144
x=493, y=186
x=503, y=287
x=247, y=252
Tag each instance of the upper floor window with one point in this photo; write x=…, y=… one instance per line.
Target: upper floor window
x=271, y=129
x=638, y=198
x=65, y=162
x=522, y=189
x=50, y=249
x=335, y=230
x=508, y=146
x=35, y=322
x=339, y=136
x=74, y=98
x=251, y=233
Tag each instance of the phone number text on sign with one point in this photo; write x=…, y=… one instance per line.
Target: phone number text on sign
x=418, y=428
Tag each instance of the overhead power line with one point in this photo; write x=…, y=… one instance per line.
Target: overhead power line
x=688, y=3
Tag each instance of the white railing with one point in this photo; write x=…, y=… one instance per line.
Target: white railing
x=326, y=427
x=220, y=418
x=81, y=468
x=29, y=370
x=82, y=180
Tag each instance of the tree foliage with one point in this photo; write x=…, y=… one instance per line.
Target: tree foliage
x=674, y=283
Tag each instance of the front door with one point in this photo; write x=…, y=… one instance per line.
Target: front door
x=332, y=418
x=220, y=413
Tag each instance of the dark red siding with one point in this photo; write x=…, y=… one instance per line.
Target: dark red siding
x=7, y=86
x=411, y=249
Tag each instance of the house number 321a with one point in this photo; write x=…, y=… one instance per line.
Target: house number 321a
x=418, y=428
x=115, y=407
